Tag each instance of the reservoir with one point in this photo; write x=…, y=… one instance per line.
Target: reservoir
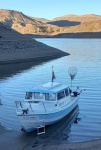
x=85, y=55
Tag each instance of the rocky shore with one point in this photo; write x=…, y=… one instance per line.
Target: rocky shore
x=15, y=47
x=13, y=140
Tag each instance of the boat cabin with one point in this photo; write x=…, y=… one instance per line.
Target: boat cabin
x=51, y=91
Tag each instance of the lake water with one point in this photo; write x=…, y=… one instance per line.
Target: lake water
x=85, y=54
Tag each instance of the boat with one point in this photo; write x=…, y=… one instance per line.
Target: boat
x=46, y=104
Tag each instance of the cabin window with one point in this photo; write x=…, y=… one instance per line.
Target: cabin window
x=46, y=96
x=66, y=92
x=50, y=97
x=38, y=95
x=60, y=95
x=28, y=95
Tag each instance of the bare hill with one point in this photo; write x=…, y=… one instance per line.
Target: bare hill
x=24, y=24
x=75, y=18
x=10, y=17
x=43, y=27
x=87, y=27
x=94, y=26
x=15, y=47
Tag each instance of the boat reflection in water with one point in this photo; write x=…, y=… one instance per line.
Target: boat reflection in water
x=61, y=130
x=9, y=70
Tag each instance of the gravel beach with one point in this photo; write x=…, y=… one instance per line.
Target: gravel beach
x=13, y=140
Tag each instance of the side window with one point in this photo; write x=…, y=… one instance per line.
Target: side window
x=46, y=96
x=28, y=95
x=66, y=92
x=60, y=95
x=50, y=97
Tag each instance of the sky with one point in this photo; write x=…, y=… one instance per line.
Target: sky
x=50, y=9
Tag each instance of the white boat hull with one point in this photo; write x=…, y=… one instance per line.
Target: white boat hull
x=30, y=122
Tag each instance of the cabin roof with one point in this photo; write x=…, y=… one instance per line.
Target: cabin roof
x=50, y=87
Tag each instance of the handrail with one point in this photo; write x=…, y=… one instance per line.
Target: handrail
x=30, y=106
x=44, y=107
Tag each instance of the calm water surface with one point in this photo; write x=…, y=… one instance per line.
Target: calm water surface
x=86, y=56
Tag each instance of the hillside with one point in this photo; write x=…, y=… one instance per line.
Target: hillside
x=40, y=19
x=10, y=17
x=73, y=20
x=94, y=26
x=83, y=18
x=24, y=24
x=15, y=47
x=40, y=27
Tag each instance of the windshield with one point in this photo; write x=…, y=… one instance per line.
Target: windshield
x=38, y=95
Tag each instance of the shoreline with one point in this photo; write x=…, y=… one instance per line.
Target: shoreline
x=79, y=35
x=36, y=59
x=23, y=141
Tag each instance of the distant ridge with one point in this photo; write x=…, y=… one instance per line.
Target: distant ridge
x=40, y=19
x=83, y=18
x=40, y=27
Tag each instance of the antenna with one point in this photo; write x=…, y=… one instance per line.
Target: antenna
x=72, y=72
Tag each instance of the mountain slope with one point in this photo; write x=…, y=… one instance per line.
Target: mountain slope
x=24, y=24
